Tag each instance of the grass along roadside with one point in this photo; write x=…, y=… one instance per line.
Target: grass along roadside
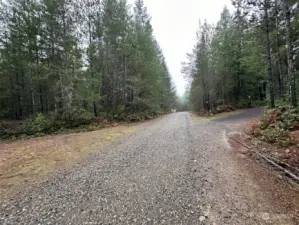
x=30, y=161
x=195, y=117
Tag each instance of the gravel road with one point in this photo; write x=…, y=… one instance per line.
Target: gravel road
x=173, y=170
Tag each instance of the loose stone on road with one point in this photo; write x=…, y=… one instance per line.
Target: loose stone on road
x=173, y=170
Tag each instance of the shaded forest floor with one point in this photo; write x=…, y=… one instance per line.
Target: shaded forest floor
x=30, y=161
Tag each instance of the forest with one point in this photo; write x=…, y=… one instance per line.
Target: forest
x=250, y=55
x=71, y=61
x=67, y=63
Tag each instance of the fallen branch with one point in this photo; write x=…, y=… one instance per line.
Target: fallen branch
x=287, y=165
x=270, y=161
x=278, y=166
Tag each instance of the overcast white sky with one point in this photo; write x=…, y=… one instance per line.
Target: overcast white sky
x=175, y=23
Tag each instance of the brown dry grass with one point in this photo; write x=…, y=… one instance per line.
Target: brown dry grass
x=196, y=117
x=30, y=161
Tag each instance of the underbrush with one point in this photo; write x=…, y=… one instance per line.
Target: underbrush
x=279, y=126
x=77, y=120
x=225, y=108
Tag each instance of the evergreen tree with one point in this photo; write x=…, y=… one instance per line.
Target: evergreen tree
x=58, y=57
x=248, y=56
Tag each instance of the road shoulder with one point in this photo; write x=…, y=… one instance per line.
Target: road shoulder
x=27, y=162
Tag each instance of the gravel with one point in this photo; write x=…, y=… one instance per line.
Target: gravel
x=171, y=171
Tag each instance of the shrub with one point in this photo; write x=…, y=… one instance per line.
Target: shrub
x=276, y=134
x=242, y=104
x=258, y=103
x=266, y=120
x=38, y=124
x=140, y=116
x=225, y=108
x=134, y=117
x=10, y=128
x=276, y=124
x=73, y=119
x=290, y=118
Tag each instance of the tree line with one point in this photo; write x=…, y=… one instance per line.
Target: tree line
x=98, y=56
x=249, y=54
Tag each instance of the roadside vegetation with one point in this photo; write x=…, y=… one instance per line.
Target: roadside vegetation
x=68, y=65
x=250, y=59
x=276, y=134
x=278, y=124
x=79, y=121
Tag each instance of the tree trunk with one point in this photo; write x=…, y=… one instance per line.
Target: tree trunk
x=95, y=111
x=280, y=75
x=268, y=52
x=41, y=99
x=291, y=66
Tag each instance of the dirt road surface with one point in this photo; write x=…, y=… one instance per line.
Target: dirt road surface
x=173, y=170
